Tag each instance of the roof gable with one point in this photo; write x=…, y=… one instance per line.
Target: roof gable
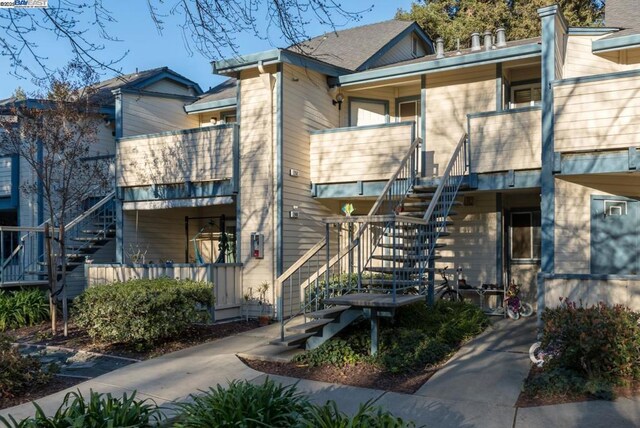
x=358, y=48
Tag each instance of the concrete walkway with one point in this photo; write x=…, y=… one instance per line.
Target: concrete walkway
x=478, y=387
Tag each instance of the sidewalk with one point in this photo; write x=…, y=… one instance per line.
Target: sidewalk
x=478, y=387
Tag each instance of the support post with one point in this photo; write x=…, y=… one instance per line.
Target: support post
x=375, y=324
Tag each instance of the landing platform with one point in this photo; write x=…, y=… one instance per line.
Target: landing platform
x=24, y=283
x=373, y=300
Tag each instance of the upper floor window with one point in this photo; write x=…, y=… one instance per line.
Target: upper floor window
x=525, y=95
x=414, y=46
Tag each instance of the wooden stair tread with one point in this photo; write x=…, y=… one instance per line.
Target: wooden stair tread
x=329, y=313
x=294, y=340
x=311, y=326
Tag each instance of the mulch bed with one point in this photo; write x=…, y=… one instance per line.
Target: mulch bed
x=363, y=375
x=527, y=399
x=78, y=339
x=56, y=384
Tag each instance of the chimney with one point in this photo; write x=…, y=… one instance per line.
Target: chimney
x=475, y=41
x=501, y=38
x=488, y=40
x=439, y=48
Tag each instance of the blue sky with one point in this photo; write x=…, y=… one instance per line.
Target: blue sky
x=147, y=49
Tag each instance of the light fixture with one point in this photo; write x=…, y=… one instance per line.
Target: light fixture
x=338, y=101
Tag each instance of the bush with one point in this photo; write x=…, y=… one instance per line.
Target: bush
x=143, y=311
x=418, y=336
x=599, y=344
x=18, y=372
x=245, y=405
x=270, y=405
x=101, y=411
x=22, y=308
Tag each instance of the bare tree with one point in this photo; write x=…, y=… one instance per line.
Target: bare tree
x=208, y=27
x=55, y=133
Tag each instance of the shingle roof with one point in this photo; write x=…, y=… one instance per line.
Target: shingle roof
x=226, y=89
x=622, y=14
x=352, y=47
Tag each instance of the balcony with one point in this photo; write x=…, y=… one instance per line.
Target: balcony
x=505, y=140
x=200, y=155
x=598, y=112
x=359, y=153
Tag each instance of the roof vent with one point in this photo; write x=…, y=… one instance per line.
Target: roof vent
x=501, y=38
x=439, y=47
x=475, y=41
x=488, y=40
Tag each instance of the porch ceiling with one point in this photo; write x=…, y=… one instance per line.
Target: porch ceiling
x=176, y=203
x=625, y=184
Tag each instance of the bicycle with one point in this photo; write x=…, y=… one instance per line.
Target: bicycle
x=539, y=355
x=516, y=307
x=444, y=290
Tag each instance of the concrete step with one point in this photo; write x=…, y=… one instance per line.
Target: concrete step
x=405, y=257
x=311, y=326
x=393, y=270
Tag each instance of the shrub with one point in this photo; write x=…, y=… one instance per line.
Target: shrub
x=337, y=352
x=600, y=344
x=18, y=372
x=101, y=411
x=368, y=416
x=243, y=404
x=22, y=308
x=143, y=311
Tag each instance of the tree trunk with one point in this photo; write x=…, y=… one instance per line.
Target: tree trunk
x=52, y=278
x=63, y=263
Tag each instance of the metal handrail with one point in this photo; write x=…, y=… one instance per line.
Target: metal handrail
x=389, y=192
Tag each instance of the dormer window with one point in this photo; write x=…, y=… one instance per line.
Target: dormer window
x=414, y=46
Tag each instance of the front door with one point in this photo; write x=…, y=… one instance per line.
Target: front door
x=615, y=232
x=523, y=251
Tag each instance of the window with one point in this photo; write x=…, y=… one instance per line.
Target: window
x=525, y=235
x=409, y=111
x=414, y=46
x=525, y=95
x=368, y=112
x=615, y=208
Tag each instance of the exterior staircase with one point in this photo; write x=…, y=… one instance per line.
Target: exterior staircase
x=89, y=232
x=367, y=267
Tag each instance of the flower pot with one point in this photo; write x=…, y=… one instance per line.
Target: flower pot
x=264, y=320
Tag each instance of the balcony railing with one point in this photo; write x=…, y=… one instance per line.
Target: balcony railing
x=505, y=140
x=359, y=153
x=191, y=155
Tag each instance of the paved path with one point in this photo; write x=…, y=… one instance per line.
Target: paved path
x=478, y=387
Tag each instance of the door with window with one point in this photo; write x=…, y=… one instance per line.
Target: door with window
x=410, y=111
x=523, y=251
x=615, y=236
x=364, y=112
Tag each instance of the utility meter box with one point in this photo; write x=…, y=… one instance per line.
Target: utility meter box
x=257, y=245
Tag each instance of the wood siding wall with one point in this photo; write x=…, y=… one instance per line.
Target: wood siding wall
x=401, y=52
x=580, y=60
x=144, y=114
x=307, y=107
x=593, y=291
x=370, y=153
x=604, y=114
x=472, y=243
x=205, y=154
x=450, y=97
x=505, y=141
x=258, y=180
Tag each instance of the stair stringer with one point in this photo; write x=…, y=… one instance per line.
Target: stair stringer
x=345, y=319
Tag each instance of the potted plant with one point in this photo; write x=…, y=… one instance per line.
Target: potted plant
x=265, y=308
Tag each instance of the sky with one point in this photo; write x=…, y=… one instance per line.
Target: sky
x=148, y=49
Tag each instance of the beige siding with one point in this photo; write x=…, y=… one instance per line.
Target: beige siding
x=450, y=97
x=203, y=155
x=144, y=114
x=28, y=210
x=258, y=97
x=166, y=86
x=506, y=141
x=106, y=141
x=580, y=61
x=593, y=291
x=560, y=48
x=472, y=244
x=401, y=52
x=359, y=154
x=306, y=107
x=597, y=115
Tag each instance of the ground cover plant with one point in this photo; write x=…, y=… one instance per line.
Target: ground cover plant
x=143, y=311
x=596, y=350
x=18, y=372
x=22, y=308
x=417, y=338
